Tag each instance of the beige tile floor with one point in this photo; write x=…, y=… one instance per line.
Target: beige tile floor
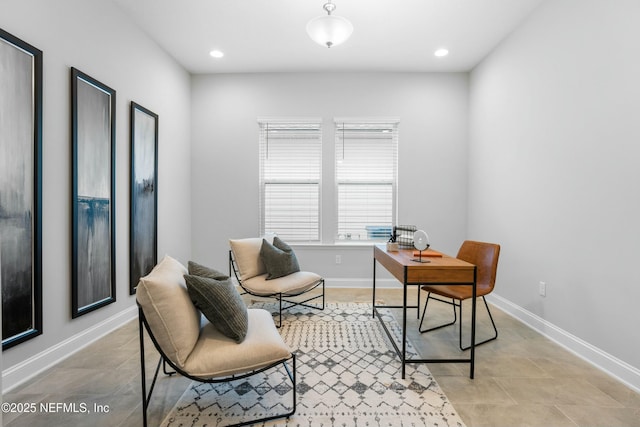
x=522, y=379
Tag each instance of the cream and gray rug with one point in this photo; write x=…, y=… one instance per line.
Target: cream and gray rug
x=348, y=376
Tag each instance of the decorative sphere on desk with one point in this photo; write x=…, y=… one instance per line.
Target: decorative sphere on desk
x=420, y=240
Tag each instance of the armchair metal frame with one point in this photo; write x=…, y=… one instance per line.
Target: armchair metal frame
x=279, y=296
x=146, y=397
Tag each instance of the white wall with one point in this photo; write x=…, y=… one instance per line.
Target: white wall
x=552, y=171
x=95, y=37
x=554, y=175
x=432, y=155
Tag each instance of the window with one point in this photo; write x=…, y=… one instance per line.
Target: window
x=290, y=177
x=366, y=176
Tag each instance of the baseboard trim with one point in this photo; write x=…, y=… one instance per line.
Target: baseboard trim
x=36, y=364
x=619, y=369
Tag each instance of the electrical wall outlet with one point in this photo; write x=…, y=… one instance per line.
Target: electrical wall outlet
x=542, y=289
x=338, y=259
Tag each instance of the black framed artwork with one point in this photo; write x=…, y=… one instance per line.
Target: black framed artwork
x=143, y=242
x=93, y=124
x=20, y=189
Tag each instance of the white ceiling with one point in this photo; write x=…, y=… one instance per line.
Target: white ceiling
x=270, y=36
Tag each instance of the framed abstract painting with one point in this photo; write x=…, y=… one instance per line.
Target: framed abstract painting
x=20, y=190
x=144, y=194
x=93, y=124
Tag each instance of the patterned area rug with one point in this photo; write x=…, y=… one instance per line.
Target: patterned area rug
x=348, y=376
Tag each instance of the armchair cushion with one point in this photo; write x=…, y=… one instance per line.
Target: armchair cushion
x=216, y=355
x=278, y=258
x=292, y=284
x=220, y=303
x=174, y=320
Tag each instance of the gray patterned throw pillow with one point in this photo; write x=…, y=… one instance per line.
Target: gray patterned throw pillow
x=221, y=304
x=196, y=269
x=278, y=259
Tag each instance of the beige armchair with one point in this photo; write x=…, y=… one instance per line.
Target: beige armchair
x=195, y=348
x=281, y=280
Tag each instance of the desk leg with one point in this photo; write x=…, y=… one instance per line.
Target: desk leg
x=374, y=289
x=404, y=323
x=473, y=323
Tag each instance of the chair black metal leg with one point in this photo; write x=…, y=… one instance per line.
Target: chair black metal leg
x=495, y=330
x=459, y=305
x=142, y=374
x=424, y=312
x=292, y=376
x=279, y=311
x=291, y=373
x=164, y=369
x=281, y=298
x=146, y=398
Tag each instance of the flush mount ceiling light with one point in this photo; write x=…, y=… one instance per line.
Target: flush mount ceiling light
x=216, y=54
x=330, y=30
x=441, y=52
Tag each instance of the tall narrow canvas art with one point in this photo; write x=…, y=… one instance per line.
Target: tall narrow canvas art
x=20, y=189
x=93, y=151
x=144, y=193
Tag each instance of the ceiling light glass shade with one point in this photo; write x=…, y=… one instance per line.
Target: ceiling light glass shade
x=329, y=30
x=441, y=52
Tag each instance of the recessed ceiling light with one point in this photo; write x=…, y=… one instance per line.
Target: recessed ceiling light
x=216, y=54
x=441, y=52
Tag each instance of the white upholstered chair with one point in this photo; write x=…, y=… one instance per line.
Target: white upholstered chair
x=193, y=347
x=252, y=274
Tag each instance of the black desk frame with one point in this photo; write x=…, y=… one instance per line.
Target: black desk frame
x=402, y=353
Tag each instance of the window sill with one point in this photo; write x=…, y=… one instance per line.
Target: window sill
x=342, y=244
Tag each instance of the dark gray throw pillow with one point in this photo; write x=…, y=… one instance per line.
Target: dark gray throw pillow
x=278, y=259
x=221, y=303
x=196, y=269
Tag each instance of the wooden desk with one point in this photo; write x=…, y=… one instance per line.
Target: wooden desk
x=443, y=270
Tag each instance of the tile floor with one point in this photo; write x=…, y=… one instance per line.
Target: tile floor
x=522, y=379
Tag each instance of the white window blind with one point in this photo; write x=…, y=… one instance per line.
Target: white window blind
x=366, y=176
x=290, y=178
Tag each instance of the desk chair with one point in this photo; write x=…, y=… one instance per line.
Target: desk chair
x=485, y=257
